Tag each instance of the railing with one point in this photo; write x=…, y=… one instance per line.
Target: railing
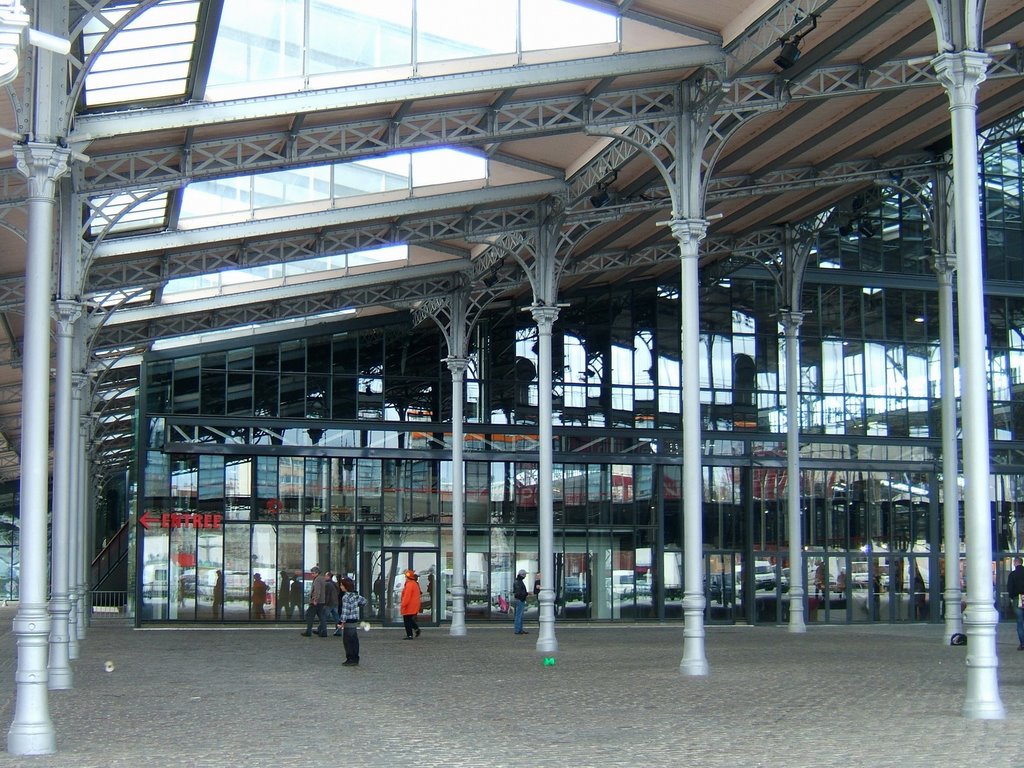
x=109, y=604
x=115, y=550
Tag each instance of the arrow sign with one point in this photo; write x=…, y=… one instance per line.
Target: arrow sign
x=197, y=520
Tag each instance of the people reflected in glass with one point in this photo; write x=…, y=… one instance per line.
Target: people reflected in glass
x=218, y=596
x=284, y=596
x=259, y=597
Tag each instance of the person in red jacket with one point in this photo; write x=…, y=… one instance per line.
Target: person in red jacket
x=259, y=597
x=410, y=605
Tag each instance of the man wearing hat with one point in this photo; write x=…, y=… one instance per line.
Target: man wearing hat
x=316, y=605
x=410, y=604
x=519, y=593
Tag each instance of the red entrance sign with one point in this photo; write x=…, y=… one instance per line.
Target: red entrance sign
x=205, y=521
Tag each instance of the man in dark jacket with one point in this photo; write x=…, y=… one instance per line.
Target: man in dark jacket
x=519, y=593
x=317, y=605
x=1015, y=587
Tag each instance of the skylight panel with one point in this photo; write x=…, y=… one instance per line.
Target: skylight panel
x=376, y=35
x=272, y=46
x=559, y=24
x=379, y=255
x=150, y=59
x=243, y=197
x=250, y=330
x=125, y=297
x=128, y=213
x=453, y=29
x=217, y=198
x=184, y=288
x=444, y=166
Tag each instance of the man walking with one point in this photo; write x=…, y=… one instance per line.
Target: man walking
x=316, y=607
x=1015, y=587
x=331, y=592
x=519, y=593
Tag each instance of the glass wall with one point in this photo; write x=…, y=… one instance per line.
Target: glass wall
x=265, y=459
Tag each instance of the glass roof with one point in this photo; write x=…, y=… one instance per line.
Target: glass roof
x=310, y=44
x=241, y=198
x=123, y=213
x=149, y=60
x=186, y=288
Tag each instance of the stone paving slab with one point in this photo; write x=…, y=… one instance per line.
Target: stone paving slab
x=836, y=696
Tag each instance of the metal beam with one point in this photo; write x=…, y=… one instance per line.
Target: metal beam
x=153, y=270
x=172, y=167
x=89, y=128
x=335, y=217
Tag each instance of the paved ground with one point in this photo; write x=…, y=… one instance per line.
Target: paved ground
x=837, y=696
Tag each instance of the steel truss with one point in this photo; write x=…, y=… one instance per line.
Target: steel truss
x=172, y=167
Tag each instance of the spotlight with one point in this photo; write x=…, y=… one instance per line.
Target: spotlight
x=601, y=198
x=788, y=56
x=845, y=225
x=789, y=53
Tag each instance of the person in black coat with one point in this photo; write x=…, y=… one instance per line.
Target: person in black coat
x=1015, y=588
x=519, y=593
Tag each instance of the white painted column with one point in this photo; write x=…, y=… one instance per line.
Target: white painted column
x=961, y=74
x=60, y=674
x=951, y=593
x=791, y=321
x=86, y=518
x=545, y=317
x=689, y=233
x=457, y=366
x=32, y=731
x=79, y=382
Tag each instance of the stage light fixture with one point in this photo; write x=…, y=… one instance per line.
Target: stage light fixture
x=602, y=196
x=789, y=52
x=788, y=55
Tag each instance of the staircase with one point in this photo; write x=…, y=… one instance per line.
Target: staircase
x=110, y=577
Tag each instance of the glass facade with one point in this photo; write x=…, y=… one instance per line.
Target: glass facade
x=10, y=551
x=334, y=449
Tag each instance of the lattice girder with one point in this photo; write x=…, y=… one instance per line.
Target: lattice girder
x=477, y=126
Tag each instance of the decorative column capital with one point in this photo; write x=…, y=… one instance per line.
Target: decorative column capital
x=79, y=382
x=689, y=233
x=456, y=365
x=791, y=320
x=960, y=74
x=544, y=314
x=944, y=265
x=66, y=312
x=42, y=164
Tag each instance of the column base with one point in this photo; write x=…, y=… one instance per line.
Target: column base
x=60, y=679
x=984, y=710
x=31, y=739
x=694, y=668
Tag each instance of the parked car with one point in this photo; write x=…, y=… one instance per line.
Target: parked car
x=575, y=590
x=764, y=576
x=722, y=588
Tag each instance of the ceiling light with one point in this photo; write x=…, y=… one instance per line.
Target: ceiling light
x=601, y=197
x=789, y=53
x=788, y=56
